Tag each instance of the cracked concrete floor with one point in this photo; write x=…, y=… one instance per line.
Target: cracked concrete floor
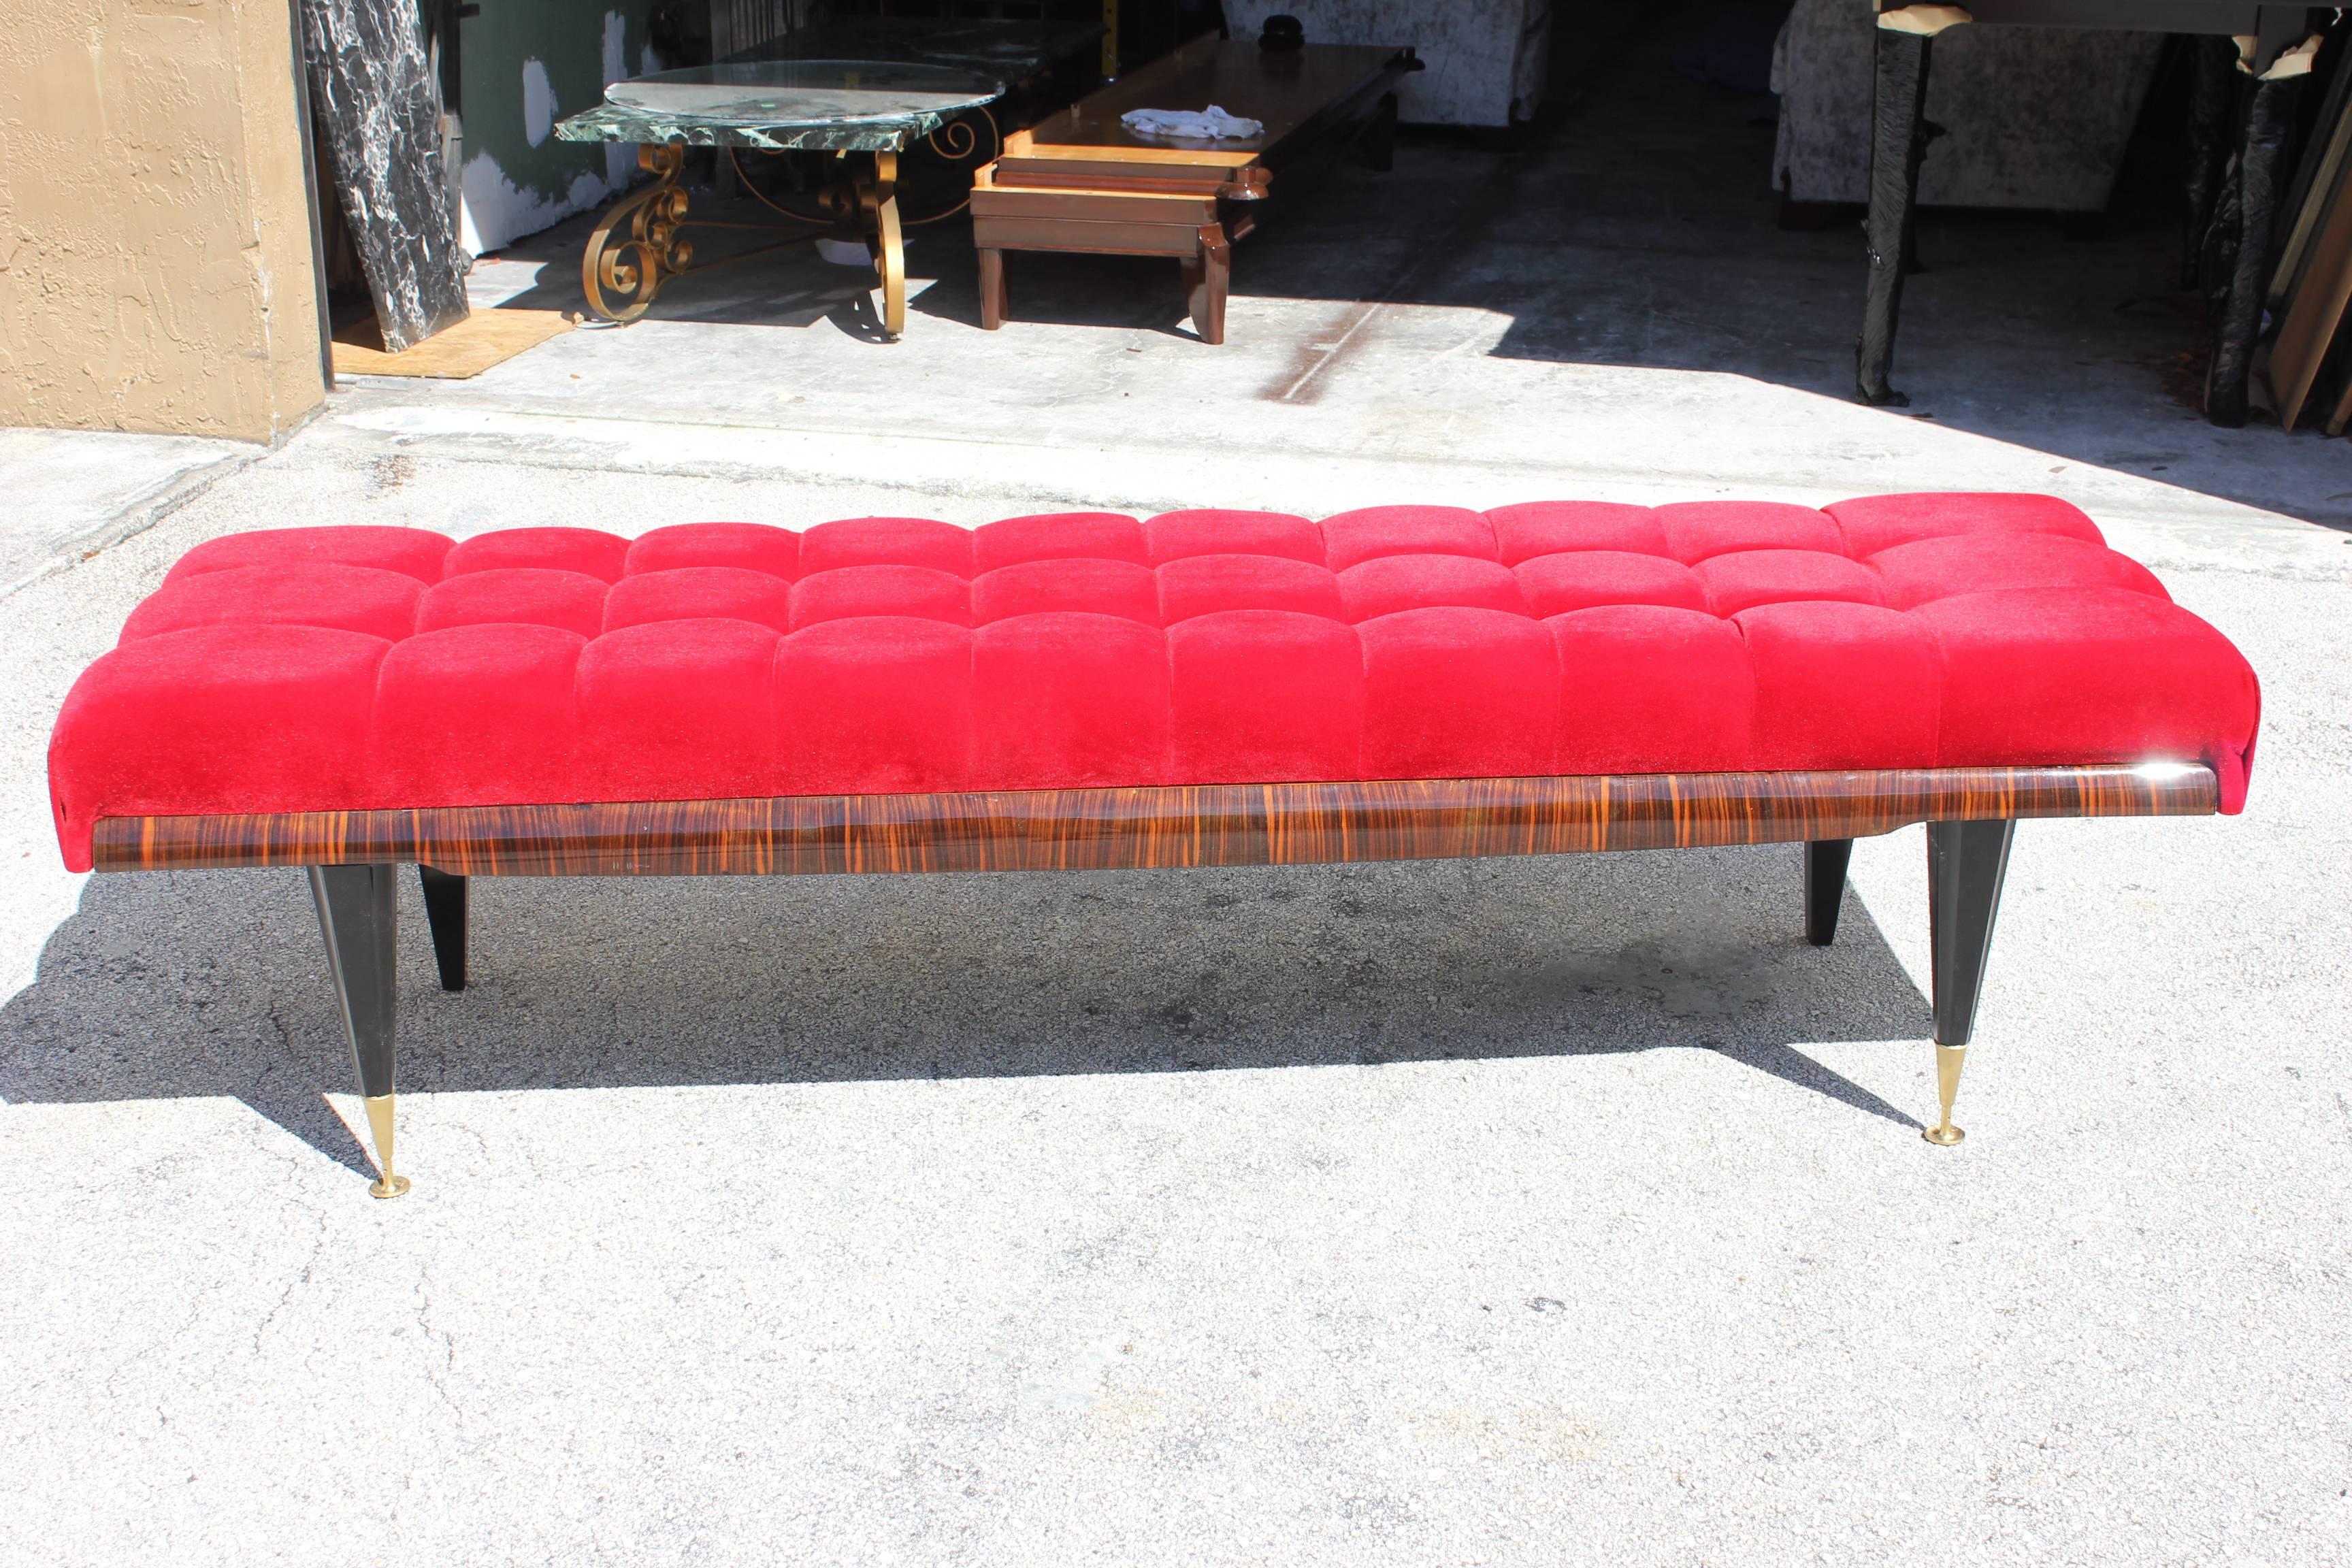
x=1543, y=1212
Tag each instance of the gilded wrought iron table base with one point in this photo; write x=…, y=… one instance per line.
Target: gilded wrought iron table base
x=636, y=265
x=637, y=245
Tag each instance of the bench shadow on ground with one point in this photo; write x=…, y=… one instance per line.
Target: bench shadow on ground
x=212, y=984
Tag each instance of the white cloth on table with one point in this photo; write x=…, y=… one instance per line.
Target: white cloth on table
x=1210, y=124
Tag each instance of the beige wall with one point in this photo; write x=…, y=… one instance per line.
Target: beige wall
x=155, y=267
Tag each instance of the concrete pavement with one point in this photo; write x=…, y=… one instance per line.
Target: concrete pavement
x=71, y=492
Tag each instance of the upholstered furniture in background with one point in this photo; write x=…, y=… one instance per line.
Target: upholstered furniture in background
x=1488, y=59
x=2032, y=117
x=1090, y=691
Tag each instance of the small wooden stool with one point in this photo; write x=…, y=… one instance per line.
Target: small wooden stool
x=1083, y=182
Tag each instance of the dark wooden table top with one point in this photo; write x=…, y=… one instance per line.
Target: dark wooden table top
x=1013, y=48
x=2231, y=17
x=1288, y=92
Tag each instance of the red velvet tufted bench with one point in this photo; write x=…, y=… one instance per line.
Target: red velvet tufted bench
x=1088, y=691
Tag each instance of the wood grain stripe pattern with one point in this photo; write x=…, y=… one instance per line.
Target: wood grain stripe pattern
x=1089, y=829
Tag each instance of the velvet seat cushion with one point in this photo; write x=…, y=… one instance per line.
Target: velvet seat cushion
x=328, y=668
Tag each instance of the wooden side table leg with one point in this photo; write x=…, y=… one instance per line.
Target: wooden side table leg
x=993, y=304
x=1206, y=281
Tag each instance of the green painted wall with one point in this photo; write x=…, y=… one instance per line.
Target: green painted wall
x=523, y=65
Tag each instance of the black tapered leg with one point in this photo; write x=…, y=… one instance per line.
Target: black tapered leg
x=1898, y=142
x=445, y=911
x=359, y=917
x=1966, y=863
x=2238, y=320
x=1825, y=864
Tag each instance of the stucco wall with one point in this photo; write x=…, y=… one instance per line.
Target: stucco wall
x=156, y=269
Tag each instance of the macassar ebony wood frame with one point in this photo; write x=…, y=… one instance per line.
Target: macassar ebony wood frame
x=352, y=857
x=1169, y=826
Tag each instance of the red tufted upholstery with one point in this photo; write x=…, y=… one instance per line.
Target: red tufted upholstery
x=323, y=668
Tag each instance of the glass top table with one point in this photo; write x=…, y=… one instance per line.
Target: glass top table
x=874, y=107
x=826, y=105
x=870, y=86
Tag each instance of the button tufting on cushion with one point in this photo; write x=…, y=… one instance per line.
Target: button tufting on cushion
x=515, y=595
x=322, y=668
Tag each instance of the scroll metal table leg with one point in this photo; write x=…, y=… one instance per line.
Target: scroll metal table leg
x=359, y=917
x=649, y=252
x=880, y=200
x=1899, y=137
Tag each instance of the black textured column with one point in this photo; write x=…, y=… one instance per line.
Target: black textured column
x=1898, y=142
x=2212, y=89
x=2237, y=315
x=373, y=92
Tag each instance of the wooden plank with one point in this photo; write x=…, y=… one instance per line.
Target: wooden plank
x=2342, y=414
x=1182, y=826
x=1094, y=206
x=1078, y=235
x=2314, y=185
x=2313, y=280
x=484, y=339
x=1008, y=173
x=1021, y=147
x=2314, y=314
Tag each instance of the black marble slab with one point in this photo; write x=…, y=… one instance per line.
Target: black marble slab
x=373, y=93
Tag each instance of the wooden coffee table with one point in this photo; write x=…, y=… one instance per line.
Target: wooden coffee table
x=1082, y=182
